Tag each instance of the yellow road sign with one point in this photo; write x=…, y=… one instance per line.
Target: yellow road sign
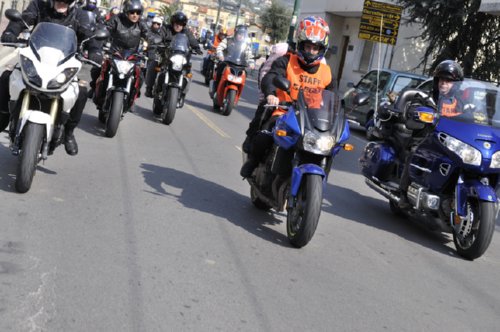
x=380, y=22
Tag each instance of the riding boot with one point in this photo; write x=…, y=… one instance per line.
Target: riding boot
x=70, y=142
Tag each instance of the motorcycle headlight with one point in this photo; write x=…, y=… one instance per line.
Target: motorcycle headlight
x=495, y=160
x=62, y=78
x=123, y=67
x=318, y=143
x=28, y=68
x=235, y=79
x=467, y=153
x=178, y=61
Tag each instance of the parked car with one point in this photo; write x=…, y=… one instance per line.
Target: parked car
x=391, y=83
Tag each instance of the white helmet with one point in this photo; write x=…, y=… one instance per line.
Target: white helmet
x=157, y=19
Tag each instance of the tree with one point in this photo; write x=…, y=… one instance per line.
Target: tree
x=276, y=21
x=454, y=29
x=168, y=10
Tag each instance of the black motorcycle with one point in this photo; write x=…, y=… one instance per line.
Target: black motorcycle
x=172, y=84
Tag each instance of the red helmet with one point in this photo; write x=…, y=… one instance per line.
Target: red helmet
x=314, y=30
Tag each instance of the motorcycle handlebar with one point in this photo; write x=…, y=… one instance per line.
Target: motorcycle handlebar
x=16, y=45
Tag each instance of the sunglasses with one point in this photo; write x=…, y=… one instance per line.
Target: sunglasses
x=156, y=23
x=65, y=1
x=135, y=12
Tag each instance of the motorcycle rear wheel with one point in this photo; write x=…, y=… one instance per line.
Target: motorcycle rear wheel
x=169, y=111
x=302, y=220
x=29, y=155
x=229, y=102
x=115, y=113
x=474, y=244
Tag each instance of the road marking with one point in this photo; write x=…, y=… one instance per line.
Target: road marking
x=238, y=148
x=209, y=122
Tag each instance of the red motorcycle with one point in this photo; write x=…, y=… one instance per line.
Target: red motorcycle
x=117, y=87
x=226, y=95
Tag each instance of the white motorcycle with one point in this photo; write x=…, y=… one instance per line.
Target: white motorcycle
x=43, y=89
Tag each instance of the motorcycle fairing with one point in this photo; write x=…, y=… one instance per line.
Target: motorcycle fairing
x=289, y=123
x=299, y=171
x=377, y=159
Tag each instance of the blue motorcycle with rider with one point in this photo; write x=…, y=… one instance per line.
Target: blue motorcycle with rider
x=438, y=157
x=297, y=149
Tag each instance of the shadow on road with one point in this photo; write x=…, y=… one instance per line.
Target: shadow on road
x=212, y=198
x=347, y=204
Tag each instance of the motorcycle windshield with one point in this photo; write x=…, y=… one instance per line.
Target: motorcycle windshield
x=180, y=44
x=53, y=42
x=324, y=112
x=236, y=54
x=471, y=101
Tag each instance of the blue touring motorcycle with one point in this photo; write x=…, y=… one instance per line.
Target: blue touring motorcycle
x=454, y=170
x=302, y=144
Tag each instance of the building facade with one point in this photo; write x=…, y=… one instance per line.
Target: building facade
x=351, y=57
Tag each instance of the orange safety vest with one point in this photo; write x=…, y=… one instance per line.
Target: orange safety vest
x=449, y=108
x=313, y=84
x=216, y=43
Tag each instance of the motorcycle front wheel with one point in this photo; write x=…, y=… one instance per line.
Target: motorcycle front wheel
x=229, y=102
x=169, y=111
x=481, y=219
x=115, y=113
x=29, y=155
x=302, y=219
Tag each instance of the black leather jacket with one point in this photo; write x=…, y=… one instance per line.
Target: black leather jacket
x=41, y=11
x=126, y=35
x=169, y=33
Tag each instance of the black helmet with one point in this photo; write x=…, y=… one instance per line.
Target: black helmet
x=179, y=18
x=132, y=6
x=448, y=70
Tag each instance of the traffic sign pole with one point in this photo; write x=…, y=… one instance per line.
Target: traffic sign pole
x=293, y=23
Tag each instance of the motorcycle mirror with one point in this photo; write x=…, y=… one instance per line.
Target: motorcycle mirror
x=15, y=16
x=101, y=34
x=281, y=83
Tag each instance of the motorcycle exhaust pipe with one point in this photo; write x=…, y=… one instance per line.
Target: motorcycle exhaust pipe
x=387, y=194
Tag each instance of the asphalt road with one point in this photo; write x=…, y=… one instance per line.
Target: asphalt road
x=153, y=230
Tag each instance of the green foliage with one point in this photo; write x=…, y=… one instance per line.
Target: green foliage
x=168, y=10
x=105, y=3
x=276, y=21
x=454, y=29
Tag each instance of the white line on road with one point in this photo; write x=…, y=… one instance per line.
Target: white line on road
x=209, y=122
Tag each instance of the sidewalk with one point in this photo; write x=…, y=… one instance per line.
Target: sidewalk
x=7, y=55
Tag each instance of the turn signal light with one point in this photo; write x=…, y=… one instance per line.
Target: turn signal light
x=348, y=147
x=281, y=132
x=426, y=117
x=189, y=75
x=157, y=69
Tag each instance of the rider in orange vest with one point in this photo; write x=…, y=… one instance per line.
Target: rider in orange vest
x=304, y=69
x=447, y=77
x=212, y=47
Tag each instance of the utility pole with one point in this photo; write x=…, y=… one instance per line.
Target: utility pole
x=238, y=14
x=293, y=23
x=218, y=16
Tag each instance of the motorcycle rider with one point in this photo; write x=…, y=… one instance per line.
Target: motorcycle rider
x=212, y=46
x=226, y=46
x=446, y=78
x=304, y=69
x=178, y=23
x=62, y=12
x=126, y=30
x=154, y=38
x=94, y=47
